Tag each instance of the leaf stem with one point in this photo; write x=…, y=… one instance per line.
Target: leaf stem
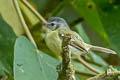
x=34, y=11
x=88, y=66
x=23, y=22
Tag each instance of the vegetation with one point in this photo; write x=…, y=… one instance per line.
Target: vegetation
x=24, y=54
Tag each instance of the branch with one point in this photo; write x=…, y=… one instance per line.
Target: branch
x=67, y=71
x=23, y=22
x=110, y=74
x=88, y=66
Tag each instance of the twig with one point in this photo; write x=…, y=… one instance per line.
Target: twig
x=23, y=22
x=34, y=11
x=88, y=66
x=67, y=71
x=110, y=74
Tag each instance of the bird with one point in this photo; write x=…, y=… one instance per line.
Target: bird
x=56, y=27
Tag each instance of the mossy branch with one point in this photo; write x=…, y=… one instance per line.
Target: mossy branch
x=110, y=74
x=67, y=71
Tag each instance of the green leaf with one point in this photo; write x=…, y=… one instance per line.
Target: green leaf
x=98, y=59
x=39, y=4
x=7, y=38
x=10, y=15
x=80, y=67
x=82, y=33
x=32, y=64
x=110, y=17
x=45, y=6
x=87, y=9
x=1, y=68
x=67, y=12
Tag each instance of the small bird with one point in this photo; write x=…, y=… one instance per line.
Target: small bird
x=56, y=28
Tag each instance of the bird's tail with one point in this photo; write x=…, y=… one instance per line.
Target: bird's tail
x=97, y=48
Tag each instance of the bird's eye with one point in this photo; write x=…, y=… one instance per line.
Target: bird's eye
x=52, y=24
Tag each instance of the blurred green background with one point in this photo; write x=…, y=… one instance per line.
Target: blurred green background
x=96, y=21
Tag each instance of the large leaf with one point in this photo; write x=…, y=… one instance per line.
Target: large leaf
x=110, y=17
x=10, y=15
x=7, y=38
x=87, y=9
x=31, y=64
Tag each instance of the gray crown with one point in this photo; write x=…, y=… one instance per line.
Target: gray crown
x=56, y=19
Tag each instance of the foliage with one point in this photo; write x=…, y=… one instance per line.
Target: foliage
x=96, y=21
x=30, y=64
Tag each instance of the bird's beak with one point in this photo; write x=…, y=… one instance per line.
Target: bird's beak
x=45, y=24
x=44, y=27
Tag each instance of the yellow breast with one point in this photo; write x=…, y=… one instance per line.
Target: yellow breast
x=53, y=42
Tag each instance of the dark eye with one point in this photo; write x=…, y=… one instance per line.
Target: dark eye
x=52, y=24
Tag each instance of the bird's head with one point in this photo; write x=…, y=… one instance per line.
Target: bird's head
x=54, y=23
